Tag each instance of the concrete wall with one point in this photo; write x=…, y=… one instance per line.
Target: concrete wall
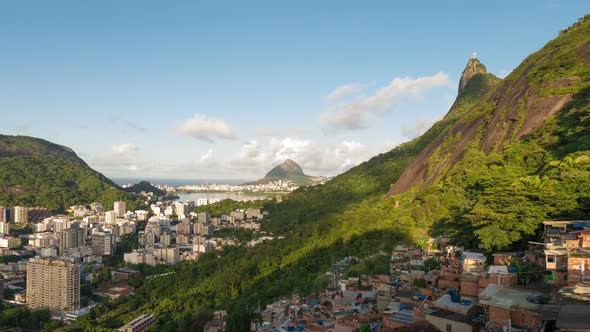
x=442, y=323
x=518, y=317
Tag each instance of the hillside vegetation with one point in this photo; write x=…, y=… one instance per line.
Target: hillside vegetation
x=508, y=155
x=34, y=172
x=147, y=187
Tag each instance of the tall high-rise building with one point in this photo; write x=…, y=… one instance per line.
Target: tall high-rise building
x=20, y=214
x=204, y=217
x=53, y=284
x=103, y=244
x=71, y=238
x=59, y=224
x=4, y=228
x=119, y=208
x=3, y=214
x=182, y=209
x=110, y=217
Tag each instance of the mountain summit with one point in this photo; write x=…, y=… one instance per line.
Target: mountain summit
x=291, y=171
x=285, y=169
x=474, y=67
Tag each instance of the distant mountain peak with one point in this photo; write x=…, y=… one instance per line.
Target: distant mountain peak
x=145, y=186
x=289, y=170
x=286, y=168
x=474, y=67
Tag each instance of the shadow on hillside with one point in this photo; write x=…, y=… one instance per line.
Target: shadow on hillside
x=574, y=124
x=302, y=276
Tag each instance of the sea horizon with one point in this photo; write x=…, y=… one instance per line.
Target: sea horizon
x=178, y=182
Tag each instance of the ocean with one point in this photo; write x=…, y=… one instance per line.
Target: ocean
x=178, y=182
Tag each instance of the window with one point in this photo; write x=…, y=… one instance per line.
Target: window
x=449, y=328
x=551, y=259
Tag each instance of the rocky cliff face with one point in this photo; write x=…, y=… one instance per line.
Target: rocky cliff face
x=551, y=81
x=284, y=169
x=473, y=68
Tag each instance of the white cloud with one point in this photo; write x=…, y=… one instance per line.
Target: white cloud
x=344, y=91
x=124, y=148
x=205, y=128
x=357, y=113
x=251, y=160
x=314, y=157
x=207, y=156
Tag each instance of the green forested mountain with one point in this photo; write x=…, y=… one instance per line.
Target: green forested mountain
x=147, y=187
x=509, y=154
x=35, y=172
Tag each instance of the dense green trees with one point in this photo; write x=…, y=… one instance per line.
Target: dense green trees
x=226, y=206
x=23, y=317
x=55, y=183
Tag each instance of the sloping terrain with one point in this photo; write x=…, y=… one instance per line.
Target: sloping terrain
x=35, y=172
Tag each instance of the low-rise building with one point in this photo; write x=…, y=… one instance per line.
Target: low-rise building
x=512, y=305
x=139, y=324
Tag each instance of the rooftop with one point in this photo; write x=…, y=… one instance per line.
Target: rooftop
x=508, y=298
x=473, y=255
x=574, y=317
x=450, y=315
x=444, y=302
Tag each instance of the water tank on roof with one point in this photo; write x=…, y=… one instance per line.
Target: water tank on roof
x=455, y=296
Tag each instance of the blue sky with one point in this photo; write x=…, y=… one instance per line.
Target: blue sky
x=220, y=89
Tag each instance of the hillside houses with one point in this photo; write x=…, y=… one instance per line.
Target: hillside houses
x=450, y=289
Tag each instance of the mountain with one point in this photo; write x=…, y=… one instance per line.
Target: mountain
x=36, y=172
x=290, y=170
x=508, y=155
x=19, y=146
x=147, y=187
x=288, y=167
x=474, y=67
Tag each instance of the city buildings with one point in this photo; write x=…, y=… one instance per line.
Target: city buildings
x=53, y=284
x=182, y=209
x=110, y=217
x=4, y=227
x=19, y=214
x=103, y=244
x=3, y=214
x=139, y=324
x=71, y=238
x=119, y=208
